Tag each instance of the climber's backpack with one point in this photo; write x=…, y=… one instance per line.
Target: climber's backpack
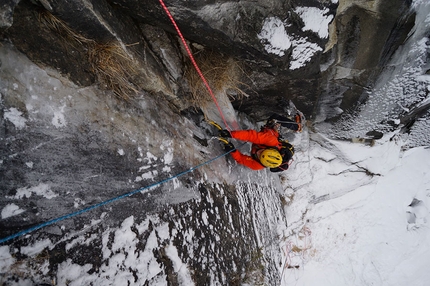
x=287, y=152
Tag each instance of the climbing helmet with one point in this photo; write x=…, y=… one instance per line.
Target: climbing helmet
x=270, y=158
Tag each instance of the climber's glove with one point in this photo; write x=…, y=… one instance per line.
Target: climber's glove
x=225, y=133
x=229, y=147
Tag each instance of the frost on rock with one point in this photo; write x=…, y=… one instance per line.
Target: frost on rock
x=274, y=36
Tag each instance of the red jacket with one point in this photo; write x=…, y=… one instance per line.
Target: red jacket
x=266, y=137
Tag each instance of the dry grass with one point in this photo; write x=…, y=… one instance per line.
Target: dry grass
x=114, y=68
x=254, y=271
x=20, y=266
x=286, y=200
x=296, y=249
x=58, y=26
x=222, y=74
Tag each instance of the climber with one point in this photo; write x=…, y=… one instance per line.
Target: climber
x=268, y=150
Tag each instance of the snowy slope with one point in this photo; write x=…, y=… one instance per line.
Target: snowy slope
x=363, y=217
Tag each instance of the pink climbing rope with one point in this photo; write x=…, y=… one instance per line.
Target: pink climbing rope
x=194, y=62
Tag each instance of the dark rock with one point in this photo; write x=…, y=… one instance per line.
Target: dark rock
x=375, y=134
x=365, y=40
x=229, y=28
x=6, y=13
x=33, y=36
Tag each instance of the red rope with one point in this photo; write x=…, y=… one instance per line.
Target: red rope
x=194, y=62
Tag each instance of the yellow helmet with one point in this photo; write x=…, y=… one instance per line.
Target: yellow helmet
x=270, y=158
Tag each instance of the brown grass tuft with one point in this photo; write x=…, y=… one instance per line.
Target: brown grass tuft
x=58, y=26
x=222, y=74
x=114, y=68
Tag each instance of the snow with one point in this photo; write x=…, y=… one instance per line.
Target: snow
x=274, y=37
x=6, y=259
x=168, y=151
x=42, y=189
x=72, y=274
x=184, y=276
x=303, y=52
x=59, y=120
x=370, y=231
x=36, y=248
x=11, y=210
x=315, y=20
x=15, y=116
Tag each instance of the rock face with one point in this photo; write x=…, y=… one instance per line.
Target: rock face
x=363, y=38
x=73, y=141
x=134, y=104
x=67, y=148
x=303, y=59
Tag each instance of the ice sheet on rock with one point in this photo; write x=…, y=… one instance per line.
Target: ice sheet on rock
x=213, y=111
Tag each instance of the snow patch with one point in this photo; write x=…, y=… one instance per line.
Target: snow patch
x=36, y=248
x=275, y=39
x=59, y=119
x=6, y=259
x=303, y=52
x=184, y=276
x=68, y=271
x=11, y=210
x=315, y=20
x=150, y=157
x=274, y=36
x=15, y=116
x=42, y=189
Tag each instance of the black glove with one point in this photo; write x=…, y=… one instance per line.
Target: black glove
x=224, y=133
x=229, y=147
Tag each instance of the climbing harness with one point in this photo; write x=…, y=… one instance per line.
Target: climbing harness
x=194, y=62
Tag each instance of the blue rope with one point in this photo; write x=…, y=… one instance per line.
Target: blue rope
x=34, y=228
